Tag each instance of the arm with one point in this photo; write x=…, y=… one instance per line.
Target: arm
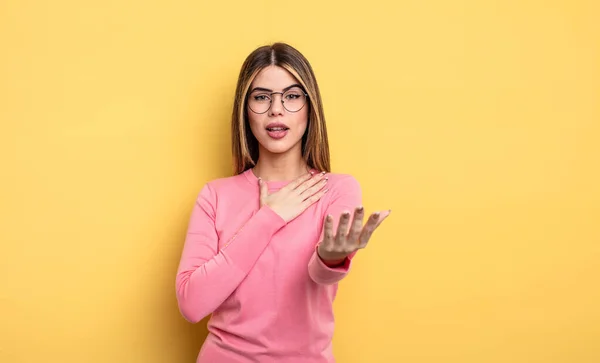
x=207, y=276
x=345, y=197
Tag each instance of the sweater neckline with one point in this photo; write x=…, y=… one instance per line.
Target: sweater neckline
x=275, y=184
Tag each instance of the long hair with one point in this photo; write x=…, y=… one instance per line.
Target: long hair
x=315, y=145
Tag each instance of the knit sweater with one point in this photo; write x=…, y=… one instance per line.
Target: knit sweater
x=268, y=294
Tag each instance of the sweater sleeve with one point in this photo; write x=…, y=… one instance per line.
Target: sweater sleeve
x=206, y=276
x=346, y=196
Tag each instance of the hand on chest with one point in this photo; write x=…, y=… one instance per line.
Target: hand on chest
x=296, y=240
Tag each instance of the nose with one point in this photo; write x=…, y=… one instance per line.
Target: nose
x=276, y=105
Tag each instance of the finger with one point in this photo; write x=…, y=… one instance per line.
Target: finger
x=295, y=183
x=328, y=231
x=264, y=191
x=356, y=226
x=312, y=199
x=366, y=232
x=369, y=228
x=303, y=188
x=317, y=186
x=342, y=229
x=382, y=216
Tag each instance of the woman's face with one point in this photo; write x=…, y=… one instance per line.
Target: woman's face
x=278, y=129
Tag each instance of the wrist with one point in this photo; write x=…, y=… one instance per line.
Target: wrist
x=333, y=263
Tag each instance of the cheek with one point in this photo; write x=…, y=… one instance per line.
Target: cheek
x=301, y=118
x=254, y=123
x=304, y=121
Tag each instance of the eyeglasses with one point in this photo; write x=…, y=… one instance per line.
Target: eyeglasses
x=292, y=100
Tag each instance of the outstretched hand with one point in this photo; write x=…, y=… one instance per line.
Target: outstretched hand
x=350, y=237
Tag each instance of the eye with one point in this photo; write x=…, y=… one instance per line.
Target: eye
x=261, y=98
x=292, y=96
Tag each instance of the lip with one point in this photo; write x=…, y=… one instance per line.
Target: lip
x=276, y=124
x=277, y=135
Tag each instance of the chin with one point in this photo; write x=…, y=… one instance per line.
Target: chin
x=278, y=147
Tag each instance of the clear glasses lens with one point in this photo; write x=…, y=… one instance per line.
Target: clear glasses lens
x=293, y=100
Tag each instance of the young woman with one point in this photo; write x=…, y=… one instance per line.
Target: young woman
x=265, y=248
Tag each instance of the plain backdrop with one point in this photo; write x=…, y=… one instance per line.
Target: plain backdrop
x=476, y=122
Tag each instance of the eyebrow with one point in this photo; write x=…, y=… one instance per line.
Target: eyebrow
x=270, y=90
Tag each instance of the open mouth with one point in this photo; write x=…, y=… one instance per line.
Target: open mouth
x=277, y=128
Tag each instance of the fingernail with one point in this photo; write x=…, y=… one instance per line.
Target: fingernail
x=360, y=209
x=346, y=214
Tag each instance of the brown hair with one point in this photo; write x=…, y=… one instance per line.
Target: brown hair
x=315, y=145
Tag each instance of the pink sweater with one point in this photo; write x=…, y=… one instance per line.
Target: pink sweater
x=269, y=293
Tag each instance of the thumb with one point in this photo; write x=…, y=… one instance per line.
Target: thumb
x=264, y=191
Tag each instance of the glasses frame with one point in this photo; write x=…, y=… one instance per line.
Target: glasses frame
x=282, y=101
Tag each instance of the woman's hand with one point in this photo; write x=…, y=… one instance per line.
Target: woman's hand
x=334, y=249
x=294, y=198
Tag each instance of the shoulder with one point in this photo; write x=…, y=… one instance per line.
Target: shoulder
x=227, y=181
x=342, y=180
x=231, y=184
x=343, y=183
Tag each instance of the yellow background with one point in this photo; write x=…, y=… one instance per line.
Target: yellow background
x=476, y=122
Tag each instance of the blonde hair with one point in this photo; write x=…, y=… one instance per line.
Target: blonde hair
x=315, y=145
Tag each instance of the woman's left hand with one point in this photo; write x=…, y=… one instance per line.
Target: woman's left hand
x=334, y=249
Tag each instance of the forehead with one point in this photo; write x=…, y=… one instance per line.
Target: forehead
x=273, y=77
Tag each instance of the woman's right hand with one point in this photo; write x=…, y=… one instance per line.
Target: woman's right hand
x=294, y=198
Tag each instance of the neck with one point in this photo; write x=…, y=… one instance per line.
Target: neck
x=280, y=167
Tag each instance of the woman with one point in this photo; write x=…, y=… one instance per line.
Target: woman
x=265, y=248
